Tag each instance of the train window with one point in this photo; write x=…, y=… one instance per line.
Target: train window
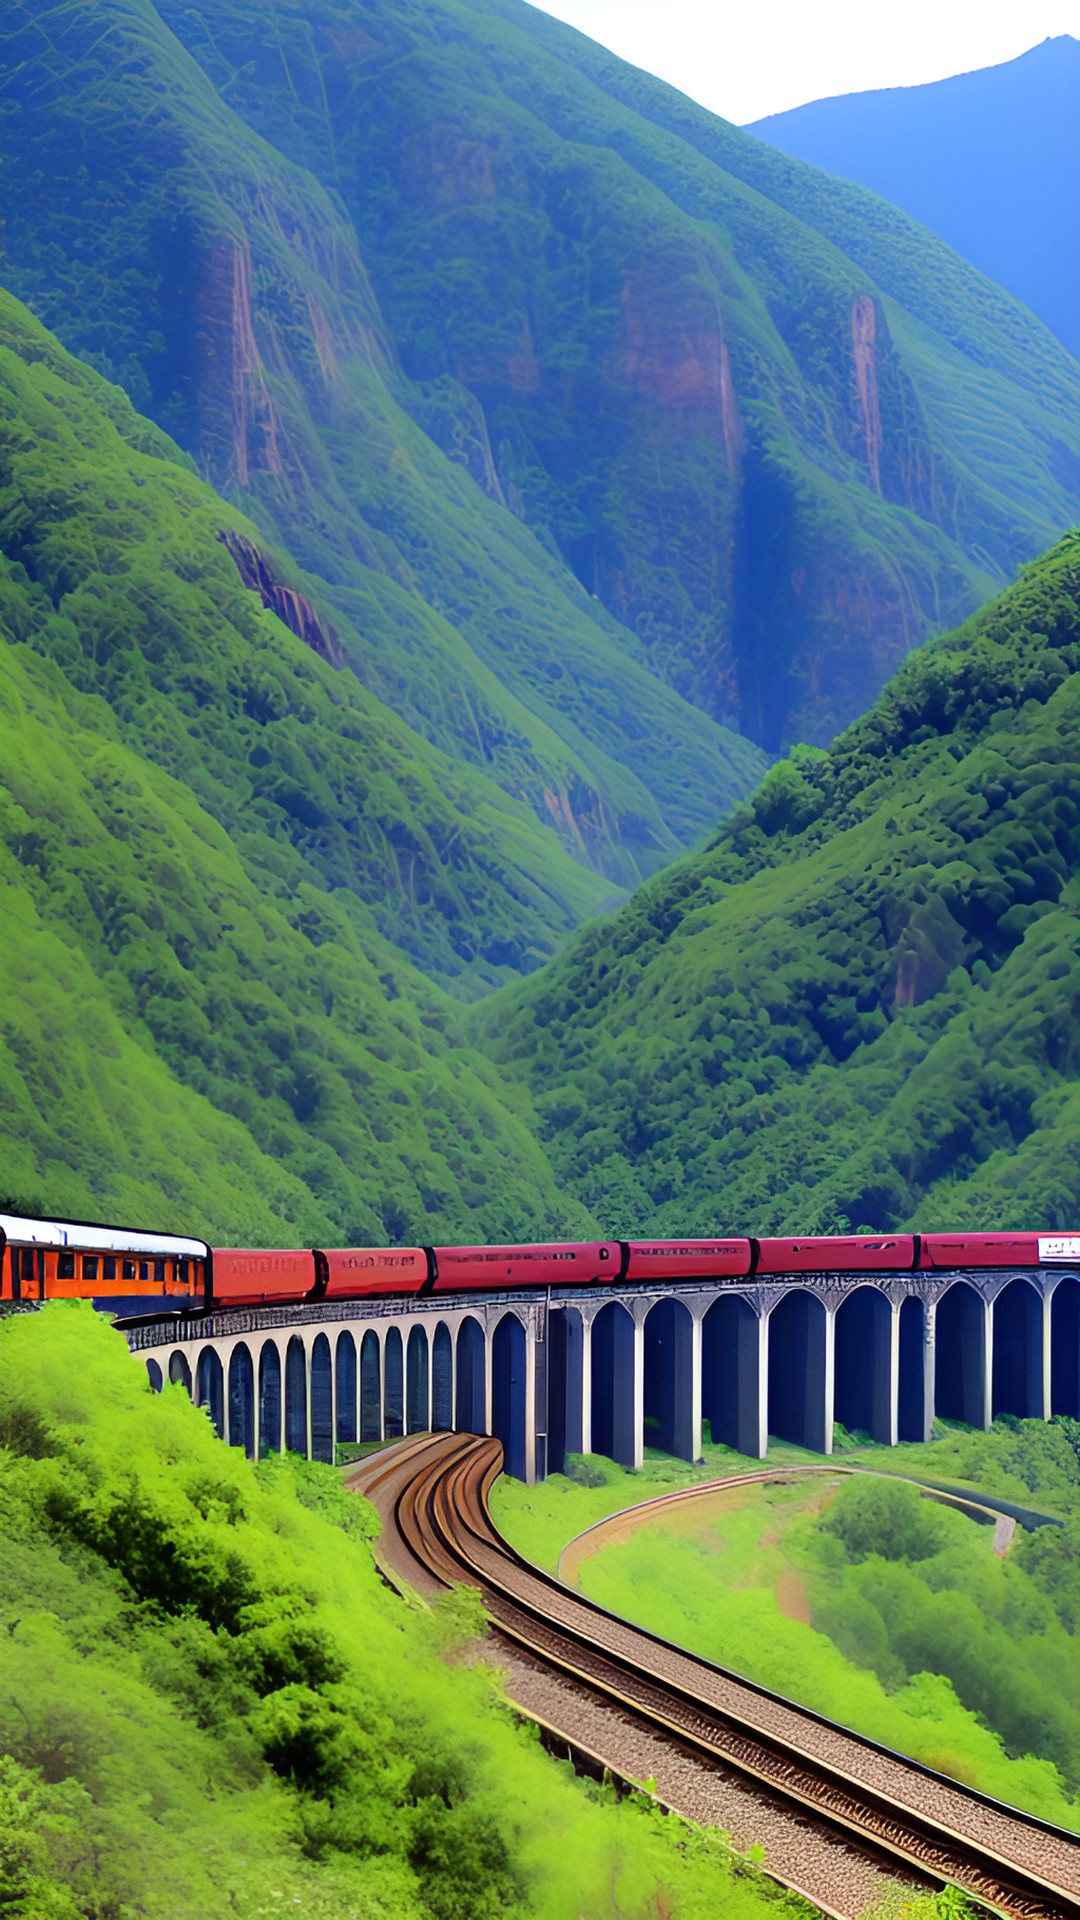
x=159, y=1272
x=181, y=1272
x=108, y=1268
x=127, y=1269
x=65, y=1266
x=144, y=1269
x=89, y=1266
x=27, y=1258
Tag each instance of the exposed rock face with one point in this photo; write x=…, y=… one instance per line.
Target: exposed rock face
x=292, y=607
x=863, y=338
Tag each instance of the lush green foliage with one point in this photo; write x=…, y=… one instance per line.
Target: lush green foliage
x=859, y=1004
x=209, y=1701
x=114, y=568
x=223, y=286
x=207, y=839
x=819, y=1016
x=883, y=1610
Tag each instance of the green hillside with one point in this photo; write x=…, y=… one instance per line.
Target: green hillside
x=859, y=1004
x=771, y=423
x=218, y=853
x=579, y=405
x=221, y=284
x=211, y=1703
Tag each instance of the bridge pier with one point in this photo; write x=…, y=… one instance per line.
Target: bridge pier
x=1046, y=1392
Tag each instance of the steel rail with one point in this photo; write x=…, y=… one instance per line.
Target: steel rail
x=442, y=1519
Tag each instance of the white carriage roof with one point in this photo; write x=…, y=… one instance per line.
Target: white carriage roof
x=60, y=1233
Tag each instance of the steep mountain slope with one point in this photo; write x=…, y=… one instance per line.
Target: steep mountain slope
x=860, y=1003
x=989, y=160
x=222, y=285
x=463, y=307
x=209, y=838
x=769, y=421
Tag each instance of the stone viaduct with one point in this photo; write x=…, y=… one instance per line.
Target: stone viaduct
x=614, y=1370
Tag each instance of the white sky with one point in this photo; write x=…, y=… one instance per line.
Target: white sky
x=746, y=58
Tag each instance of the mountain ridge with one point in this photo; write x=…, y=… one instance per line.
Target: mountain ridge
x=988, y=159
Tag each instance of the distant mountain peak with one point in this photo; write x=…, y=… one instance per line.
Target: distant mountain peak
x=988, y=159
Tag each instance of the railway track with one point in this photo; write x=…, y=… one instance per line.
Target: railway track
x=921, y=1826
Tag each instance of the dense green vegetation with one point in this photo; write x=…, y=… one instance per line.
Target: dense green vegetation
x=576, y=399
x=209, y=1701
x=237, y=863
x=773, y=425
x=222, y=285
x=858, y=1005
x=863, y=1599
x=113, y=566
x=208, y=841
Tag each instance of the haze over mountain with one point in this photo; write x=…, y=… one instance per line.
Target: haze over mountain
x=989, y=160
x=602, y=427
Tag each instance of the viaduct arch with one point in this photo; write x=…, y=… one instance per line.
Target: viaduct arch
x=610, y=1371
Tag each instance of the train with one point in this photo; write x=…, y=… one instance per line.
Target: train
x=136, y=1275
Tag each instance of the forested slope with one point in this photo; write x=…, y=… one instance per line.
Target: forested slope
x=223, y=286
x=769, y=421
x=210, y=1702
x=224, y=864
x=859, y=1005
x=581, y=403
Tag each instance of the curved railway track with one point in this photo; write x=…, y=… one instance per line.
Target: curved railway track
x=438, y=1533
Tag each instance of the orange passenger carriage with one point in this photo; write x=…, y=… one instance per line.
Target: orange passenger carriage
x=120, y=1270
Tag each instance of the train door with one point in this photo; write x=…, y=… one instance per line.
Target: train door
x=28, y=1273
